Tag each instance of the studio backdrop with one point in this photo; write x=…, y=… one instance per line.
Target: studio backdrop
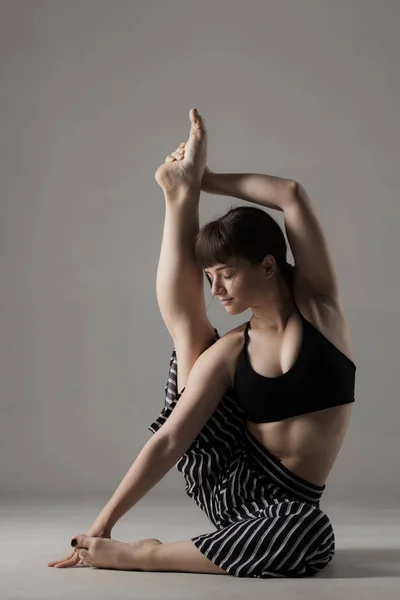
x=94, y=95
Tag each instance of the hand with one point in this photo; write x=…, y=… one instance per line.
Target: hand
x=96, y=530
x=185, y=167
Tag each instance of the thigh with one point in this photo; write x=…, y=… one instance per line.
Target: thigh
x=191, y=341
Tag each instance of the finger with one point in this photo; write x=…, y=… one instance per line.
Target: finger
x=68, y=563
x=83, y=554
x=183, y=144
x=54, y=562
x=177, y=155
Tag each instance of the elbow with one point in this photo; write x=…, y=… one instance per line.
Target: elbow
x=296, y=191
x=291, y=192
x=168, y=444
x=294, y=187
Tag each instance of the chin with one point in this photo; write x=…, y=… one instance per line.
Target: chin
x=234, y=309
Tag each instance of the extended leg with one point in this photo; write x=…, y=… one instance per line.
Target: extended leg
x=182, y=557
x=180, y=291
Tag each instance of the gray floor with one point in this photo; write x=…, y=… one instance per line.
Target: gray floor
x=366, y=565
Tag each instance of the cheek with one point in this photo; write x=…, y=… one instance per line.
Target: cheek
x=243, y=288
x=238, y=289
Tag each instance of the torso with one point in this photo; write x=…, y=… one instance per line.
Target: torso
x=306, y=444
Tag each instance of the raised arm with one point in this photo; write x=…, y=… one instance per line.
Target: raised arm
x=315, y=271
x=266, y=190
x=206, y=384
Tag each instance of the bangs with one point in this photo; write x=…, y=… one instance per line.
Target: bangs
x=213, y=245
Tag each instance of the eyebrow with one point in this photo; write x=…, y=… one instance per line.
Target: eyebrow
x=224, y=267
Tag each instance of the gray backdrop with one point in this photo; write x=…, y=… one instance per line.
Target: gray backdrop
x=93, y=95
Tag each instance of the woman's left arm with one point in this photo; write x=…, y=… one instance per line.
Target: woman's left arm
x=314, y=263
x=267, y=190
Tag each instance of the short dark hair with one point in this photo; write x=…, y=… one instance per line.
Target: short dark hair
x=243, y=232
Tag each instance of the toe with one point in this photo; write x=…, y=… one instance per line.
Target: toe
x=83, y=554
x=81, y=541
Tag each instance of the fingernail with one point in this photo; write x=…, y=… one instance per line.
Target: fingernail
x=74, y=542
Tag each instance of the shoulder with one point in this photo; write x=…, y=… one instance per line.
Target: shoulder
x=233, y=335
x=215, y=366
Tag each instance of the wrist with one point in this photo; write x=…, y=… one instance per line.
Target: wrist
x=209, y=182
x=105, y=520
x=208, y=175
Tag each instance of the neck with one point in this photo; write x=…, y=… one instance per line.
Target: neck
x=274, y=313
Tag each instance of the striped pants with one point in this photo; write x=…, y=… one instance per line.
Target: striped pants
x=268, y=520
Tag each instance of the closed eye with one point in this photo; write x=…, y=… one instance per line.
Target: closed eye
x=225, y=277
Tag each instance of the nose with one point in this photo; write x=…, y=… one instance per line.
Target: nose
x=216, y=289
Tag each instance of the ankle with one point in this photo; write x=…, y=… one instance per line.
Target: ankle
x=152, y=557
x=183, y=194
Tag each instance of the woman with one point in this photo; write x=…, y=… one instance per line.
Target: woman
x=262, y=411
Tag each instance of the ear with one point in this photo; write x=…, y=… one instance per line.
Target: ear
x=269, y=265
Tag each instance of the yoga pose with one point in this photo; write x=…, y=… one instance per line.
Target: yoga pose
x=255, y=419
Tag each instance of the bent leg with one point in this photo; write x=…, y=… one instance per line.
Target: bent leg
x=258, y=547
x=297, y=540
x=182, y=557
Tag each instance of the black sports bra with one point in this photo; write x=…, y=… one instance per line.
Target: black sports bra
x=321, y=377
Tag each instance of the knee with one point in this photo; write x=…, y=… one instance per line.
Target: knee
x=320, y=549
x=312, y=544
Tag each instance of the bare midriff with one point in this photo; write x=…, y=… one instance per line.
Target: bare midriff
x=307, y=444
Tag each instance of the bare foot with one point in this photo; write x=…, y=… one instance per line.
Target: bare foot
x=185, y=167
x=112, y=554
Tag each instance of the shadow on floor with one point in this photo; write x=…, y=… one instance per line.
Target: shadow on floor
x=363, y=562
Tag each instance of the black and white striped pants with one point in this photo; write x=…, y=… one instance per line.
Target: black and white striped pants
x=268, y=520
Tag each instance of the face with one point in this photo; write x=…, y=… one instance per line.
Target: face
x=244, y=284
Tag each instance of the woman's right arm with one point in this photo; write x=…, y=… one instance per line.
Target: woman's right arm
x=154, y=461
x=207, y=381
